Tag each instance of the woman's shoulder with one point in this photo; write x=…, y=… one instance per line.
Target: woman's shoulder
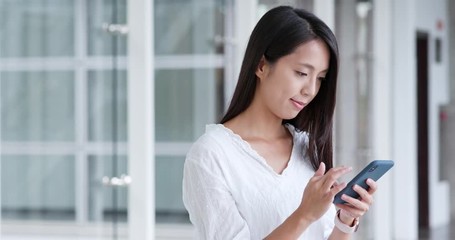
x=208, y=144
x=214, y=133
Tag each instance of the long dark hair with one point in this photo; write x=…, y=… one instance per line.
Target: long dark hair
x=277, y=34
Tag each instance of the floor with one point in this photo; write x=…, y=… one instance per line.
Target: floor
x=441, y=233
x=62, y=231
x=168, y=233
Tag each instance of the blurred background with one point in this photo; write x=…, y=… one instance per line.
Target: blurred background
x=101, y=99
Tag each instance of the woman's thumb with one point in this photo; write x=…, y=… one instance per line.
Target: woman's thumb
x=321, y=170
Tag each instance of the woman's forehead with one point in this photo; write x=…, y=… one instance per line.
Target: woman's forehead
x=313, y=54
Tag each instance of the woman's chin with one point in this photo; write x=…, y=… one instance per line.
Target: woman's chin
x=289, y=116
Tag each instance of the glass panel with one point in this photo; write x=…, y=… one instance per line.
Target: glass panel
x=40, y=110
x=169, y=204
x=185, y=27
x=107, y=203
x=36, y=28
x=266, y=5
x=38, y=187
x=185, y=101
x=101, y=106
x=37, y=106
x=101, y=42
x=274, y=3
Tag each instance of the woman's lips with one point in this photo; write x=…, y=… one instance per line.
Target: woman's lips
x=298, y=104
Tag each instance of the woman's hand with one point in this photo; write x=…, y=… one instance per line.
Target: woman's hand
x=317, y=199
x=320, y=191
x=356, y=208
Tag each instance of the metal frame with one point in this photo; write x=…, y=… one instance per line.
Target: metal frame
x=141, y=120
x=1, y=152
x=81, y=110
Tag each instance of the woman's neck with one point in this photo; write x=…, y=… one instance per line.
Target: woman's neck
x=258, y=123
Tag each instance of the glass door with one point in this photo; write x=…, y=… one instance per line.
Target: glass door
x=193, y=58
x=63, y=119
x=108, y=181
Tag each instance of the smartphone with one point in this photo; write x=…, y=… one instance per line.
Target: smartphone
x=374, y=170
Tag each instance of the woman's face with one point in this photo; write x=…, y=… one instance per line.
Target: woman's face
x=288, y=85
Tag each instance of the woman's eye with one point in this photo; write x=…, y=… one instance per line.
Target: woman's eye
x=301, y=74
x=321, y=79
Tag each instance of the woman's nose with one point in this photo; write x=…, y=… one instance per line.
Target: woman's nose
x=310, y=87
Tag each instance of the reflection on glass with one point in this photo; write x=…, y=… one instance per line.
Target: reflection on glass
x=53, y=120
x=107, y=203
x=169, y=204
x=173, y=104
x=186, y=27
x=38, y=187
x=36, y=28
x=37, y=106
x=101, y=106
x=185, y=101
x=100, y=42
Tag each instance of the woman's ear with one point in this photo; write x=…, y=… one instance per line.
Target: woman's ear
x=262, y=68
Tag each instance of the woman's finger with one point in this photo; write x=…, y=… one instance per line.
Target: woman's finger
x=337, y=187
x=373, y=186
x=365, y=196
x=332, y=176
x=351, y=211
x=362, y=206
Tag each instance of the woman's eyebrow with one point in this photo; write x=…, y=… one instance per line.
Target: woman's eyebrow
x=311, y=67
x=307, y=65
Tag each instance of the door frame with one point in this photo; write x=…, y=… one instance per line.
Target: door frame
x=422, y=74
x=142, y=147
x=141, y=120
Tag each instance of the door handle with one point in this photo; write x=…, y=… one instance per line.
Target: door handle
x=120, y=29
x=122, y=181
x=219, y=40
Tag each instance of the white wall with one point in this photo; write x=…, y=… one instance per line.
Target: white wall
x=382, y=116
x=346, y=124
x=448, y=126
x=451, y=45
x=394, y=109
x=404, y=127
x=428, y=13
x=408, y=17
x=325, y=10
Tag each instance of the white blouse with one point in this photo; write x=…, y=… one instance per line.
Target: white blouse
x=231, y=192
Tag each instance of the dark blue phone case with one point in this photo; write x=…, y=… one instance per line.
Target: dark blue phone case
x=374, y=170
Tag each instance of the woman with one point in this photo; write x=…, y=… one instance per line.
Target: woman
x=266, y=171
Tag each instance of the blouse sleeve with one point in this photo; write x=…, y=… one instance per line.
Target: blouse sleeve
x=210, y=205
x=329, y=223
